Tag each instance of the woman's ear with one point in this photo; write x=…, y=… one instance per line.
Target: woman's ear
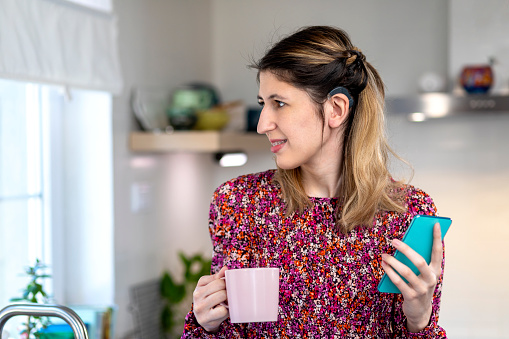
x=338, y=105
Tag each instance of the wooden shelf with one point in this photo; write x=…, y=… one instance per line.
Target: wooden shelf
x=197, y=141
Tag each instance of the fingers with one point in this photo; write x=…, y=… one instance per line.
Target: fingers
x=204, y=292
x=221, y=272
x=428, y=271
x=210, y=292
x=218, y=313
x=217, y=299
x=210, y=302
x=417, y=289
x=428, y=274
x=210, y=318
x=387, y=262
x=415, y=258
x=207, y=279
x=437, y=253
x=210, y=284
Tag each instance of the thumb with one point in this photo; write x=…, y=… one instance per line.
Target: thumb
x=221, y=273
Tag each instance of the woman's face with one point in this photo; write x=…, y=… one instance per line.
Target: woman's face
x=289, y=119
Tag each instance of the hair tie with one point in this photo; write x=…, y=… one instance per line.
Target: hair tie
x=359, y=62
x=358, y=56
x=342, y=90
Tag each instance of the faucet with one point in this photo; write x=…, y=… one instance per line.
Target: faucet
x=42, y=310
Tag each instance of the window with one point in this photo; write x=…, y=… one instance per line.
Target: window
x=22, y=201
x=56, y=187
x=56, y=191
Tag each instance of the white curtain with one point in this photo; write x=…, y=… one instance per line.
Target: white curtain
x=58, y=42
x=103, y=5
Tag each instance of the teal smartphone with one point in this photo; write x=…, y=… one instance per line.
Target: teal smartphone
x=419, y=237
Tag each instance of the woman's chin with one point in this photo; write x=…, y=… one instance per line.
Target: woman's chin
x=285, y=165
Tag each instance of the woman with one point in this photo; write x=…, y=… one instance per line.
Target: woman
x=331, y=216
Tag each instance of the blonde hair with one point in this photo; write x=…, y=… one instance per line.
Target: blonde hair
x=319, y=59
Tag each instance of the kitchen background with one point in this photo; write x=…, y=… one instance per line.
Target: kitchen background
x=461, y=161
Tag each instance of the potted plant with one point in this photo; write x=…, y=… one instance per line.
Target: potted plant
x=34, y=293
x=176, y=297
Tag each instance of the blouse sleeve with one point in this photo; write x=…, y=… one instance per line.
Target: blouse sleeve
x=231, y=248
x=420, y=203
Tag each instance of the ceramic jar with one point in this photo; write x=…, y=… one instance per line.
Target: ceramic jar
x=477, y=79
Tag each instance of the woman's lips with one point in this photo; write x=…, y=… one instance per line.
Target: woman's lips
x=277, y=144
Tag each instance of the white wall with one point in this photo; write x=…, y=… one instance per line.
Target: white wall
x=462, y=162
x=162, y=44
x=478, y=31
x=466, y=166
x=402, y=39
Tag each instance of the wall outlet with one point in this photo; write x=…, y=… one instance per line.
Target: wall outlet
x=141, y=197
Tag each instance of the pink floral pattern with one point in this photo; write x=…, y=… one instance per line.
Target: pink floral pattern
x=328, y=281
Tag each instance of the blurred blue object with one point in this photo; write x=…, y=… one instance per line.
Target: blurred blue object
x=99, y=322
x=253, y=115
x=59, y=331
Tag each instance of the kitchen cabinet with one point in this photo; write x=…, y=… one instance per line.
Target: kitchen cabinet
x=197, y=141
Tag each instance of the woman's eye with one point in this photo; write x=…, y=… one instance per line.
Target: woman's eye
x=261, y=103
x=280, y=103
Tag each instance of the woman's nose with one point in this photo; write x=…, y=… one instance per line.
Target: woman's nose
x=265, y=123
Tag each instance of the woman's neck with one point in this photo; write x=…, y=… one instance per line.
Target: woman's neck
x=321, y=176
x=322, y=182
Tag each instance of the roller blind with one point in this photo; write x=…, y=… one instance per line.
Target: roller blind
x=59, y=42
x=102, y=5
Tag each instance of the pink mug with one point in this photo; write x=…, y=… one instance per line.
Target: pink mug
x=253, y=294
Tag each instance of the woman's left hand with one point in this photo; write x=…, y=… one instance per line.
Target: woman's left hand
x=418, y=292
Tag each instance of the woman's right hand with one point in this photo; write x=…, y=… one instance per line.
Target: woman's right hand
x=208, y=301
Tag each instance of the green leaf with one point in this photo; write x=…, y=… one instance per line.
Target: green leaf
x=189, y=275
x=166, y=285
x=187, y=265
x=184, y=259
x=177, y=294
x=32, y=287
x=194, y=277
x=171, y=291
x=167, y=319
x=38, y=288
x=203, y=268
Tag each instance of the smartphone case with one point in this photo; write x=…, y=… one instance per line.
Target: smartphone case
x=419, y=237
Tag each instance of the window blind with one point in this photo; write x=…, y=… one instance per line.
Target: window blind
x=58, y=42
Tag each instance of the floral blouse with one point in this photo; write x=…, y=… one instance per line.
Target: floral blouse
x=328, y=280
